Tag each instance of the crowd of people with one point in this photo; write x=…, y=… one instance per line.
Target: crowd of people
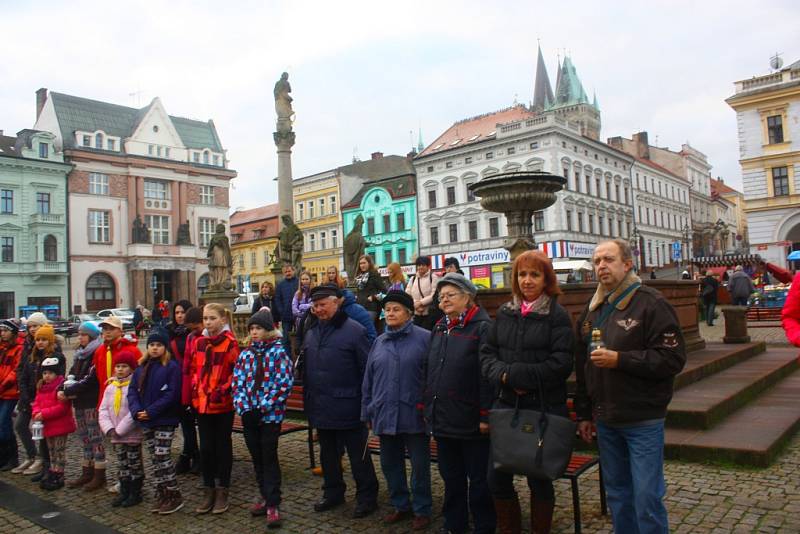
x=438, y=368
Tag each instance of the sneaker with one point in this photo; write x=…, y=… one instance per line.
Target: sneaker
x=33, y=468
x=273, y=517
x=258, y=508
x=23, y=466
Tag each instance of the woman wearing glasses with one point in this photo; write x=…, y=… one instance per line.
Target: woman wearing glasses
x=457, y=401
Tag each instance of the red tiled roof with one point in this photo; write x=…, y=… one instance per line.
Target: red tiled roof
x=475, y=129
x=719, y=187
x=255, y=214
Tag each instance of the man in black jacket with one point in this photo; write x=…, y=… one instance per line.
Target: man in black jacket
x=627, y=385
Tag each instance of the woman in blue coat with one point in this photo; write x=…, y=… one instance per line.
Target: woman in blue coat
x=390, y=401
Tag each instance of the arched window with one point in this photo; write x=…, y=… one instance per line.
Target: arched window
x=101, y=292
x=98, y=141
x=50, y=248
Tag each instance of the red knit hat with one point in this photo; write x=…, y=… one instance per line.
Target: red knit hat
x=125, y=356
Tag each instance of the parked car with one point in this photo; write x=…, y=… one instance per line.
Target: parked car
x=79, y=318
x=244, y=302
x=125, y=315
x=64, y=327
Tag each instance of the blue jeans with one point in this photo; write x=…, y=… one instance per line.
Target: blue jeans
x=6, y=422
x=740, y=301
x=286, y=326
x=710, y=307
x=393, y=464
x=632, y=459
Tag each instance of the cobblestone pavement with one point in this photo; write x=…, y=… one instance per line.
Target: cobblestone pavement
x=771, y=335
x=700, y=499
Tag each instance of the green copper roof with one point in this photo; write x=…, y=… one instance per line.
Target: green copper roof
x=569, y=90
x=75, y=113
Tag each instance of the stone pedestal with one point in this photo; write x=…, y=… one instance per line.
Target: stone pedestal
x=735, y=324
x=220, y=296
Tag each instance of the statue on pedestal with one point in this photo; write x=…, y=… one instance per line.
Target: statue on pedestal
x=141, y=234
x=184, y=239
x=220, y=261
x=290, y=244
x=354, y=245
x=283, y=104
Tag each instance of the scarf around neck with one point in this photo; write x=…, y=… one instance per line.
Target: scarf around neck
x=119, y=384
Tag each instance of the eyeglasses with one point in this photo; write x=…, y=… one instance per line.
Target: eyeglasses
x=449, y=296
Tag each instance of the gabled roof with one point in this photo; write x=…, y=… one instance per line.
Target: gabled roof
x=256, y=214
x=76, y=113
x=475, y=129
x=397, y=187
x=720, y=188
x=379, y=168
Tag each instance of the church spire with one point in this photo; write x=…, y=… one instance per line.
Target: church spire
x=542, y=91
x=420, y=144
x=569, y=90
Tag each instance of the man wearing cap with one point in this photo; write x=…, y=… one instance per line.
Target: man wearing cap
x=422, y=286
x=336, y=350
x=10, y=353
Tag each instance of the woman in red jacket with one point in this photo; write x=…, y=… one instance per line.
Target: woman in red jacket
x=10, y=351
x=790, y=316
x=212, y=374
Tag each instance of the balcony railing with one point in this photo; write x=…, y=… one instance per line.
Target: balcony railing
x=47, y=218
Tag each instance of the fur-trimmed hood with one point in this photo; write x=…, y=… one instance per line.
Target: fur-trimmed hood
x=602, y=293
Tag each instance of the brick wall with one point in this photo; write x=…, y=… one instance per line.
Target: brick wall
x=220, y=195
x=117, y=183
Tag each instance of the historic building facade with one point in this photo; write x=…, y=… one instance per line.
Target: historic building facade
x=768, y=123
x=145, y=195
x=388, y=204
x=559, y=134
x=33, y=225
x=317, y=199
x=254, y=238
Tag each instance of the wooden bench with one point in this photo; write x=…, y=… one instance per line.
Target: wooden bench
x=758, y=314
x=294, y=404
x=578, y=465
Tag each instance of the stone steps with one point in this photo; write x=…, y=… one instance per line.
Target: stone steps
x=714, y=358
x=753, y=435
x=705, y=402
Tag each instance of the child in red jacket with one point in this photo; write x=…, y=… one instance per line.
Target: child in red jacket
x=57, y=418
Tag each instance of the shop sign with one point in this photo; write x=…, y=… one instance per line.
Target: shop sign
x=482, y=257
x=580, y=250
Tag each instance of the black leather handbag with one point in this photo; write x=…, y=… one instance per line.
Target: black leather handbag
x=529, y=442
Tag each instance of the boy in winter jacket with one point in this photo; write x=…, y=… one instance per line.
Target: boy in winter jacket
x=10, y=352
x=262, y=380
x=155, y=403
x=93, y=464
x=117, y=423
x=57, y=418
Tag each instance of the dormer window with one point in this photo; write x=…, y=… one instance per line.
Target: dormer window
x=216, y=160
x=87, y=140
x=195, y=157
x=43, y=150
x=98, y=141
x=205, y=157
x=112, y=145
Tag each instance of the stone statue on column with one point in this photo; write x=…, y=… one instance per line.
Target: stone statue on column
x=290, y=244
x=284, y=139
x=354, y=246
x=220, y=261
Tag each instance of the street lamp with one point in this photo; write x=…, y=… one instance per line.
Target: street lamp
x=687, y=232
x=634, y=242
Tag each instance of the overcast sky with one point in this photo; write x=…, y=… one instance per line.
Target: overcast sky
x=365, y=75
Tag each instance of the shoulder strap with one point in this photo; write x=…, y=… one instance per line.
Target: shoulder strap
x=608, y=309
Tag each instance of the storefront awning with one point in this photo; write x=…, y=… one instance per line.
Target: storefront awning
x=729, y=260
x=572, y=265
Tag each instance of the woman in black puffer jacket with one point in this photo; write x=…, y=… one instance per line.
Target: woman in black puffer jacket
x=531, y=340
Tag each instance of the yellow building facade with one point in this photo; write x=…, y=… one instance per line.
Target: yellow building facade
x=317, y=213
x=254, y=238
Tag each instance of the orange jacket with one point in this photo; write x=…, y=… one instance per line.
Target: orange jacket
x=10, y=354
x=211, y=388
x=103, y=367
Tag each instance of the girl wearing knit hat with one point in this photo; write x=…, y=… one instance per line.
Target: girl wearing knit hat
x=84, y=399
x=155, y=403
x=29, y=377
x=54, y=413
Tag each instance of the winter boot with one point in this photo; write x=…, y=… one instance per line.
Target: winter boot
x=183, y=465
x=509, y=515
x=52, y=481
x=208, y=501
x=135, y=495
x=220, y=501
x=87, y=474
x=541, y=516
x=173, y=501
x=98, y=478
x=42, y=474
x=124, y=492
x=160, y=491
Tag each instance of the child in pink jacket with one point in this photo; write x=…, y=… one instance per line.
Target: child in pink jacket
x=57, y=418
x=116, y=422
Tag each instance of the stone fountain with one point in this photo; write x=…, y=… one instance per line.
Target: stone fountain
x=517, y=195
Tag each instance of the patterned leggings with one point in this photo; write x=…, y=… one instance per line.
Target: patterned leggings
x=159, y=444
x=91, y=437
x=129, y=456
x=58, y=452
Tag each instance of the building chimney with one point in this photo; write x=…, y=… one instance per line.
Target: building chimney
x=615, y=142
x=377, y=155
x=41, y=98
x=642, y=145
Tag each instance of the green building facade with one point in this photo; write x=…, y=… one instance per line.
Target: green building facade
x=33, y=226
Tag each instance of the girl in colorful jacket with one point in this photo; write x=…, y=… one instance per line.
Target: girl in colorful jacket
x=10, y=353
x=116, y=422
x=212, y=374
x=57, y=418
x=262, y=380
x=155, y=403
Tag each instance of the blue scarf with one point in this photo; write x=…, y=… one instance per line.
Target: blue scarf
x=88, y=351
